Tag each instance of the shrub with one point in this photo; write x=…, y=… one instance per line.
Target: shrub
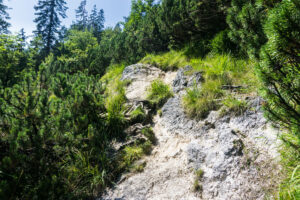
x=279, y=68
x=57, y=140
x=221, y=43
x=159, y=93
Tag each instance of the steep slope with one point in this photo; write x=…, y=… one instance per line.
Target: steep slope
x=236, y=155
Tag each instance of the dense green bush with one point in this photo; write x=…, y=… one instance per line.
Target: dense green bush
x=191, y=21
x=245, y=19
x=81, y=53
x=279, y=67
x=62, y=130
x=13, y=59
x=279, y=72
x=221, y=43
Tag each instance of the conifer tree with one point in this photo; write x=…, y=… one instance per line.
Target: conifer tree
x=3, y=18
x=280, y=66
x=22, y=37
x=49, y=13
x=245, y=19
x=96, y=22
x=82, y=16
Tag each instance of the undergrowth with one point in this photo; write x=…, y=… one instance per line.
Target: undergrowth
x=290, y=159
x=114, y=100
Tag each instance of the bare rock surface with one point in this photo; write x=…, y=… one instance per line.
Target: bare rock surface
x=238, y=154
x=141, y=76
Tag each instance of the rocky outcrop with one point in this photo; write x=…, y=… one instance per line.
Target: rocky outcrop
x=237, y=154
x=182, y=80
x=141, y=76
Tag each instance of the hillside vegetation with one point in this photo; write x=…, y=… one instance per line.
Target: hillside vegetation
x=63, y=104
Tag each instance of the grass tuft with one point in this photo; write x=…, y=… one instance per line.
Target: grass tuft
x=198, y=102
x=131, y=154
x=197, y=187
x=159, y=93
x=199, y=173
x=233, y=106
x=139, y=167
x=138, y=115
x=148, y=132
x=290, y=159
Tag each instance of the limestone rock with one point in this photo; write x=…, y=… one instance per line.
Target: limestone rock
x=238, y=154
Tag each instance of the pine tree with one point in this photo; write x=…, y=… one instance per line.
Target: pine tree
x=280, y=66
x=82, y=16
x=3, y=18
x=245, y=19
x=22, y=37
x=96, y=22
x=192, y=21
x=48, y=21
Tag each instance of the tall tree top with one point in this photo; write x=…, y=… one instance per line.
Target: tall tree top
x=3, y=18
x=82, y=15
x=48, y=21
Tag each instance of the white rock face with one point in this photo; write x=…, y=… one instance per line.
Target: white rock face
x=238, y=155
x=141, y=77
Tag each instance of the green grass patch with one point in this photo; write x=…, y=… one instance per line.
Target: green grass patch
x=227, y=69
x=233, y=106
x=159, y=93
x=139, y=167
x=197, y=186
x=114, y=100
x=218, y=71
x=113, y=72
x=131, y=154
x=138, y=115
x=198, y=102
x=290, y=159
x=167, y=61
x=159, y=112
x=199, y=173
x=148, y=132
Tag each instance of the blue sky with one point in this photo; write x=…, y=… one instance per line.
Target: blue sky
x=22, y=12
